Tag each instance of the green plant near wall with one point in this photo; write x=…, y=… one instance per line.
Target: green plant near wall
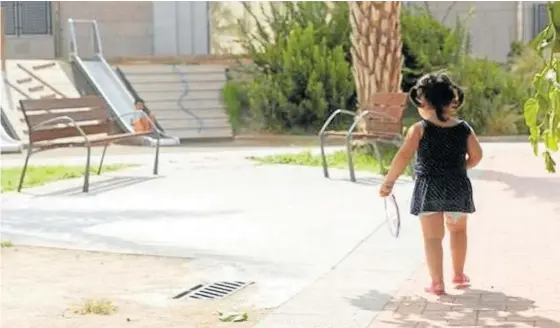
x=494, y=96
x=314, y=81
x=542, y=110
x=428, y=45
x=300, y=71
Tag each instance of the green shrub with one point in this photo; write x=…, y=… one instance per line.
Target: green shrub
x=301, y=71
x=428, y=45
x=234, y=95
x=494, y=97
x=314, y=81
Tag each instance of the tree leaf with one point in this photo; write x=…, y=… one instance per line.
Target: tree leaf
x=530, y=111
x=549, y=162
x=554, y=96
x=550, y=140
x=544, y=106
x=234, y=316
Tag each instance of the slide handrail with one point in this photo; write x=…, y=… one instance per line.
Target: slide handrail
x=117, y=83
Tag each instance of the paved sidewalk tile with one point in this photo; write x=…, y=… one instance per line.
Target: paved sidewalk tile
x=513, y=259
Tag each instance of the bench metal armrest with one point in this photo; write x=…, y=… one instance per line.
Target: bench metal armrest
x=62, y=119
x=152, y=124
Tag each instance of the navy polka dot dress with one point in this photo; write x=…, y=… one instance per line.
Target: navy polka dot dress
x=442, y=184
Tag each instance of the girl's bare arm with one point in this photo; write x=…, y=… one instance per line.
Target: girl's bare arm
x=405, y=153
x=474, y=151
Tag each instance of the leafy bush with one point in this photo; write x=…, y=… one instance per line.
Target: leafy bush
x=493, y=96
x=428, y=45
x=301, y=69
x=300, y=72
x=234, y=94
x=314, y=81
x=268, y=31
x=525, y=65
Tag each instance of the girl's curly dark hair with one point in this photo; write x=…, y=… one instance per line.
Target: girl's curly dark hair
x=439, y=91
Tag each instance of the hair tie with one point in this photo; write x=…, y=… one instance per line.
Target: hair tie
x=460, y=95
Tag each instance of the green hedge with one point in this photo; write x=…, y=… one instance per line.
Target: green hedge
x=301, y=70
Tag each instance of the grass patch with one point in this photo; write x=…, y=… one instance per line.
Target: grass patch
x=6, y=244
x=40, y=175
x=363, y=161
x=98, y=307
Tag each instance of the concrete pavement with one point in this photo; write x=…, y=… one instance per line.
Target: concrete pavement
x=280, y=226
x=317, y=248
x=512, y=261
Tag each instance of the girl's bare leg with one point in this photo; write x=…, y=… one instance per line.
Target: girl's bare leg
x=434, y=231
x=458, y=243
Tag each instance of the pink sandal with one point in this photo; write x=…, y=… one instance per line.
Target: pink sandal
x=461, y=281
x=436, y=288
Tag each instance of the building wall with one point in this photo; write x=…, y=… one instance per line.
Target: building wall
x=30, y=47
x=529, y=19
x=493, y=24
x=127, y=28
x=166, y=28
x=17, y=21
x=174, y=35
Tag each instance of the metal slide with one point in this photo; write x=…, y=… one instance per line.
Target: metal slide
x=7, y=143
x=108, y=84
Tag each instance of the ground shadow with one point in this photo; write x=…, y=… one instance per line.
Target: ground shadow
x=470, y=307
x=95, y=187
x=69, y=229
x=546, y=188
x=369, y=181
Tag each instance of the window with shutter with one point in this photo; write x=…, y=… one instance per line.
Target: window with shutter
x=27, y=17
x=540, y=18
x=10, y=17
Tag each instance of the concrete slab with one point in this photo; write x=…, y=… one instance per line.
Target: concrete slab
x=280, y=226
x=358, y=291
x=284, y=227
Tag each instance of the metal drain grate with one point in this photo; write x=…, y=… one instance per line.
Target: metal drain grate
x=215, y=290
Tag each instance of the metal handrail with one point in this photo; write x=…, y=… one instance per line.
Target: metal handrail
x=98, y=56
x=72, y=40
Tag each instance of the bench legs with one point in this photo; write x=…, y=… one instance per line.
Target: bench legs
x=102, y=158
x=86, y=173
x=156, y=160
x=88, y=165
x=29, y=152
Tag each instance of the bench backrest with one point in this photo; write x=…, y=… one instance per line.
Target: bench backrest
x=89, y=112
x=387, y=113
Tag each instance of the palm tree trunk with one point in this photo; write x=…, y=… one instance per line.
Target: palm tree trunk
x=376, y=50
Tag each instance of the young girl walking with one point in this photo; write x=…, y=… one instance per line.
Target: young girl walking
x=446, y=148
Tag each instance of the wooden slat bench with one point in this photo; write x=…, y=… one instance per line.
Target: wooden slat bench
x=383, y=121
x=75, y=122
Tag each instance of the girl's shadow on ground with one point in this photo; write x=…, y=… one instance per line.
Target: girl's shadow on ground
x=547, y=188
x=474, y=307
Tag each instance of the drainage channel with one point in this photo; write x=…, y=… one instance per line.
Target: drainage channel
x=212, y=291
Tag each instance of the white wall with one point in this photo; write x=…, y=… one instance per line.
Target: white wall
x=181, y=28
